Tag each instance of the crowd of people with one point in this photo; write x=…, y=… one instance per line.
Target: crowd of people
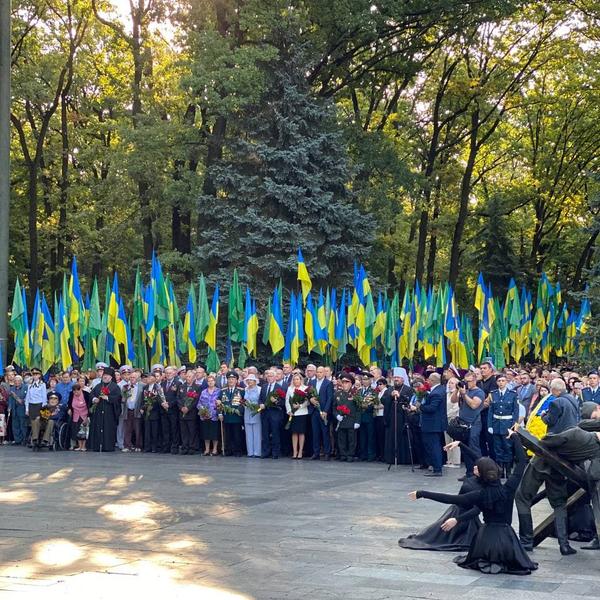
x=394, y=417
x=434, y=419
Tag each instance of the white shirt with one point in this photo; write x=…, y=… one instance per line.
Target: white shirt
x=380, y=395
x=318, y=385
x=303, y=410
x=36, y=394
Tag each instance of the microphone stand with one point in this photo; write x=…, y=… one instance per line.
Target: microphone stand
x=395, y=434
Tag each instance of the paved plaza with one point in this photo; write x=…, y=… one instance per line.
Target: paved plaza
x=134, y=525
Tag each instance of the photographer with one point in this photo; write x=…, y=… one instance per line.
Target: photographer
x=470, y=399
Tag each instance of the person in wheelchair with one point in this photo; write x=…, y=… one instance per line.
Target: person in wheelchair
x=52, y=416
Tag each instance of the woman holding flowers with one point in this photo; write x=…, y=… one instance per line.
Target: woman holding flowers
x=296, y=404
x=207, y=410
x=252, y=417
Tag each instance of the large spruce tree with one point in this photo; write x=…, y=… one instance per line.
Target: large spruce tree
x=283, y=182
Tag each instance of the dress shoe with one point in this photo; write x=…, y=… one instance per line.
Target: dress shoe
x=433, y=474
x=315, y=457
x=566, y=549
x=593, y=545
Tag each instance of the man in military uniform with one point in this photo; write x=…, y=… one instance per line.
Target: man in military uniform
x=232, y=415
x=170, y=419
x=347, y=424
x=367, y=420
x=592, y=392
x=503, y=413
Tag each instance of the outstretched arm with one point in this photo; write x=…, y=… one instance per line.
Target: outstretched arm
x=467, y=500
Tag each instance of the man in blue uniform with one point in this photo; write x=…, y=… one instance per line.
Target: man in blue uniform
x=503, y=413
x=592, y=392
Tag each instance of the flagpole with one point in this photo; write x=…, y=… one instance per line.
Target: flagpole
x=5, y=64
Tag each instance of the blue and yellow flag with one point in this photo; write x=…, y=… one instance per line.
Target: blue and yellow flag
x=303, y=277
x=276, y=337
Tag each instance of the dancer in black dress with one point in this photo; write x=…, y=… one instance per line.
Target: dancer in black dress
x=459, y=538
x=496, y=548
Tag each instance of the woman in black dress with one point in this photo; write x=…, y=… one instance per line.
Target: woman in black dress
x=496, y=548
x=459, y=538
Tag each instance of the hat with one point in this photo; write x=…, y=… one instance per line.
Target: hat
x=35, y=371
x=157, y=367
x=587, y=408
x=53, y=395
x=382, y=381
x=232, y=374
x=109, y=371
x=182, y=369
x=593, y=372
x=366, y=374
x=452, y=367
x=400, y=372
x=347, y=377
x=101, y=365
x=252, y=377
x=126, y=369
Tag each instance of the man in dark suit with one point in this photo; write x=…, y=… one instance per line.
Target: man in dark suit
x=434, y=421
x=287, y=375
x=222, y=375
x=321, y=415
x=592, y=392
x=272, y=417
x=170, y=421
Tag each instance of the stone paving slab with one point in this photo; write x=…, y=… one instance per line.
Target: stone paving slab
x=115, y=525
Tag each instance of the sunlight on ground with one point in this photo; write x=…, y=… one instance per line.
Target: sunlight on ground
x=59, y=475
x=139, y=511
x=98, y=586
x=194, y=479
x=56, y=553
x=17, y=496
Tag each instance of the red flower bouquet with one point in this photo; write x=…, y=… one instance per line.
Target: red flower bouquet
x=298, y=398
x=343, y=411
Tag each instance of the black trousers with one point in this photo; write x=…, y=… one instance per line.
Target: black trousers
x=367, y=440
x=151, y=435
x=379, y=438
x=174, y=432
x=189, y=435
x=346, y=442
x=165, y=432
x=233, y=439
x=271, y=428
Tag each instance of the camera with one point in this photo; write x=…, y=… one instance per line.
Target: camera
x=461, y=385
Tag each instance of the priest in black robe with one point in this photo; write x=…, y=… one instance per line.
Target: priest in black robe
x=397, y=400
x=106, y=408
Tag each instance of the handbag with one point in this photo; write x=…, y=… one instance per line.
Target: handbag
x=458, y=429
x=83, y=432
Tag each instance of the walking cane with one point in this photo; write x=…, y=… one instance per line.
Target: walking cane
x=395, y=435
x=222, y=438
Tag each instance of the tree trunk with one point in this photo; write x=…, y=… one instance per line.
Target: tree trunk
x=422, y=241
x=64, y=185
x=33, y=233
x=465, y=192
x=433, y=237
x=587, y=252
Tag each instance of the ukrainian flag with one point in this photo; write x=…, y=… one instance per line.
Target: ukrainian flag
x=303, y=277
x=276, y=337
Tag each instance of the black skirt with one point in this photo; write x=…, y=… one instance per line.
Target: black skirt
x=458, y=539
x=299, y=424
x=496, y=549
x=210, y=430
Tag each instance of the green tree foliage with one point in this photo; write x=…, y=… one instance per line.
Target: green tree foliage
x=427, y=137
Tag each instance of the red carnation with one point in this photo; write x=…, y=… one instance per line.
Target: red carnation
x=344, y=410
x=104, y=391
x=280, y=393
x=192, y=394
